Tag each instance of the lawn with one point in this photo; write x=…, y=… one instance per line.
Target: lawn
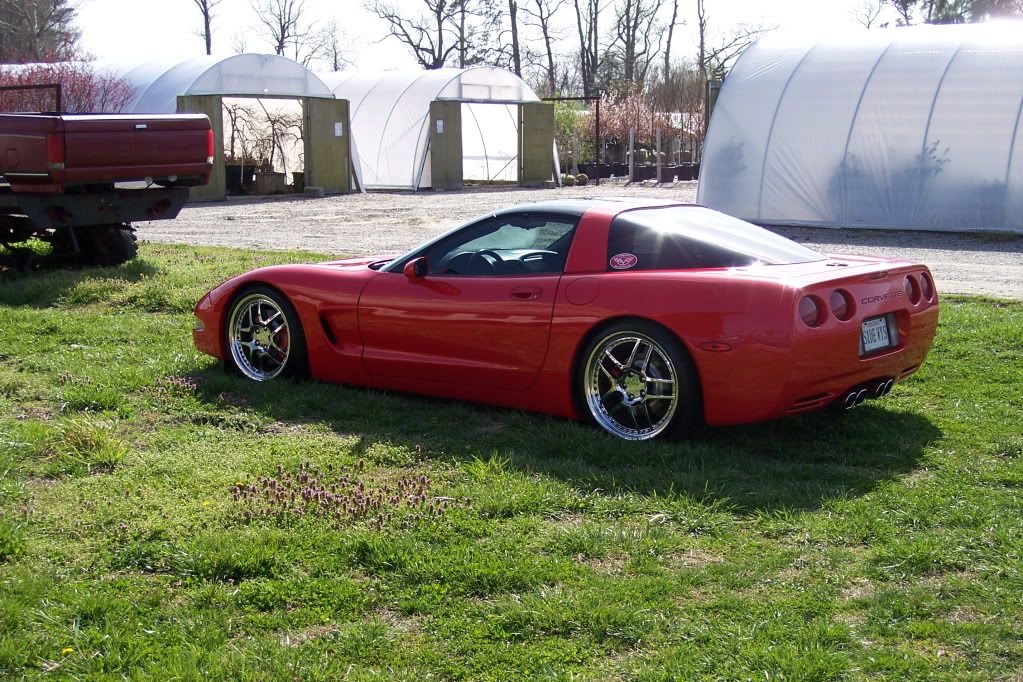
x=162, y=520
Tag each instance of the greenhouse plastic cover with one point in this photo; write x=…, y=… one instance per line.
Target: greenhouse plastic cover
x=390, y=114
x=917, y=127
x=158, y=84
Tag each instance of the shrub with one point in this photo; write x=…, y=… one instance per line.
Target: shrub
x=12, y=540
x=568, y=180
x=582, y=179
x=83, y=446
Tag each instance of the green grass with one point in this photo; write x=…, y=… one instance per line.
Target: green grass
x=886, y=545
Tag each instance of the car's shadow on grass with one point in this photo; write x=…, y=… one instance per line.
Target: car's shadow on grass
x=794, y=463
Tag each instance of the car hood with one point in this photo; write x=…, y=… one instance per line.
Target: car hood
x=359, y=262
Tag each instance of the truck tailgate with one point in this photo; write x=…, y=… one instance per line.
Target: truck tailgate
x=47, y=152
x=125, y=147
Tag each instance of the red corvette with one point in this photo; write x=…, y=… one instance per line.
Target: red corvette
x=646, y=317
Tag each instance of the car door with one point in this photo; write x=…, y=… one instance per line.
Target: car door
x=481, y=316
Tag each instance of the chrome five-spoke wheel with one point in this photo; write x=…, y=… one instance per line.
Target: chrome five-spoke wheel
x=261, y=335
x=635, y=384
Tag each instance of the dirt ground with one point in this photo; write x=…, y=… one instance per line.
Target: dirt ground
x=361, y=224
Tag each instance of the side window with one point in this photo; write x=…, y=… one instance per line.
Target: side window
x=633, y=246
x=518, y=244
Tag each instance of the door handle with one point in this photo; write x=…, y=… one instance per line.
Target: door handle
x=526, y=293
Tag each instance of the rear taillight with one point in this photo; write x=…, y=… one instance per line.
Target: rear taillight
x=209, y=146
x=926, y=287
x=55, y=151
x=912, y=289
x=841, y=304
x=811, y=311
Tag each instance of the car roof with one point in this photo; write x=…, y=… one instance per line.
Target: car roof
x=578, y=207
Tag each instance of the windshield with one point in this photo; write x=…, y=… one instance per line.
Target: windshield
x=701, y=238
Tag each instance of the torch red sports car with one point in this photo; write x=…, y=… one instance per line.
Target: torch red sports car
x=646, y=317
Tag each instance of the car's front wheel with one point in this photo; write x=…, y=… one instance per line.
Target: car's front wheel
x=264, y=336
x=638, y=382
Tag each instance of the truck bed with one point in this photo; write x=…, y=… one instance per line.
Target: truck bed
x=52, y=153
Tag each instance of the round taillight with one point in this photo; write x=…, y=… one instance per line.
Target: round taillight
x=810, y=311
x=841, y=304
x=912, y=289
x=926, y=287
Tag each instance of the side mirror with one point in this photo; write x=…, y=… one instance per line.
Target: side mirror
x=416, y=268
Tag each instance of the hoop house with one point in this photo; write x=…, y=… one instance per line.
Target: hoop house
x=158, y=84
x=390, y=113
x=917, y=128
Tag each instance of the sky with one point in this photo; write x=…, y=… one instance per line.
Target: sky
x=137, y=31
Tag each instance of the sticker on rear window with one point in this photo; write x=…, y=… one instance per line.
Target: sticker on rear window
x=623, y=261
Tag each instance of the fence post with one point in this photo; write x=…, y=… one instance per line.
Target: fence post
x=632, y=154
x=657, y=145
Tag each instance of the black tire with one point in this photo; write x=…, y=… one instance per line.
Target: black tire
x=637, y=381
x=107, y=245
x=255, y=347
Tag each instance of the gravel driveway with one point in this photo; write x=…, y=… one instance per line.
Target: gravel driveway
x=360, y=224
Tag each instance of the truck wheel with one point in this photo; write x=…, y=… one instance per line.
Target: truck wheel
x=108, y=245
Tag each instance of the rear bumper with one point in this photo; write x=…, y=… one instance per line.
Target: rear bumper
x=817, y=369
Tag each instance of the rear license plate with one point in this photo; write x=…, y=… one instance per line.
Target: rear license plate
x=874, y=334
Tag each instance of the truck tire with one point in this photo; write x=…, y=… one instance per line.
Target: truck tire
x=107, y=245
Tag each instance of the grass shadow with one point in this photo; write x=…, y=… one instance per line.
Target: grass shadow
x=46, y=287
x=794, y=463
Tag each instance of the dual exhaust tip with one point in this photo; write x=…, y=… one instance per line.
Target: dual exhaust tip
x=857, y=396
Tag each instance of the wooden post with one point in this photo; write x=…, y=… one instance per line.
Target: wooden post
x=213, y=107
x=657, y=145
x=327, y=150
x=446, y=145
x=536, y=143
x=575, y=152
x=632, y=155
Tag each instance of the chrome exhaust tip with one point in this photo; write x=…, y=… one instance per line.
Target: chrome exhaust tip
x=888, y=386
x=881, y=389
x=850, y=400
x=861, y=396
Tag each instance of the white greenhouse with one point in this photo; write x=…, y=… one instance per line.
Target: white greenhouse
x=158, y=84
x=372, y=130
x=391, y=122
x=918, y=128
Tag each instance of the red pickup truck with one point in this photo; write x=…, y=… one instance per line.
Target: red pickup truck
x=67, y=178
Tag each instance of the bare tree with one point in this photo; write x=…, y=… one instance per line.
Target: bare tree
x=281, y=20
x=637, y=38
x=701, y=26
x=444, y=29
x=729, y=47
x=240, y=119
x=868, y=12
x=206, y=8
x=428, y=35
x=512, y=17
x=671, y=34
x=953, y=11
x=335, y=46
x=476, y=32
x=37, y=30
x=714, y=61
x=240, y=42
x=587, y=16
x=540, y=14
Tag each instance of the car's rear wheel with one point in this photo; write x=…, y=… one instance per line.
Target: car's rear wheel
x=264, y=336
x=638, y=382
